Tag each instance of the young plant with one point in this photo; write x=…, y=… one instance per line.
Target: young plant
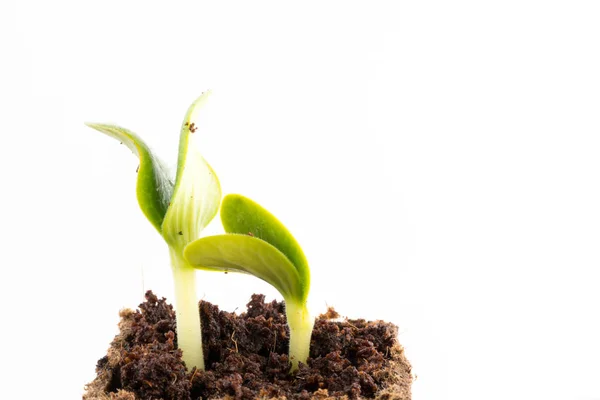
x=179, y=211
x=258, y=244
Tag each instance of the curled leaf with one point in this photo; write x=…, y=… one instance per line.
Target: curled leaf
x=153, y=188
x=241, y=215
x=247, y=254
x=197, y=192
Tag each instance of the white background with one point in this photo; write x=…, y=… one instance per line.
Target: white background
x=438, y=162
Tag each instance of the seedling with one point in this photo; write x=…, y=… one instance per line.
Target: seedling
x=258, y=244
x=179, y=211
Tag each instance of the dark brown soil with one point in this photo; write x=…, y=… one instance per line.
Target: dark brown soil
x=246, y=357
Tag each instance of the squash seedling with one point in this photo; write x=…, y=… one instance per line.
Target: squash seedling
x=179, y=211
x=258, y=244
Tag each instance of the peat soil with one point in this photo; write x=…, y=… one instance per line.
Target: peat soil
x=246, y=357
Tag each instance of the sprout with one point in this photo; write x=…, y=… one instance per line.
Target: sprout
x=260, y=245
x=256, y=243
x=179, y=211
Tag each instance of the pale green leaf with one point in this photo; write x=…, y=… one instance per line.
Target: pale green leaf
x=154, y=188
x=197, y=191
x=241, y=253
x=241, y=215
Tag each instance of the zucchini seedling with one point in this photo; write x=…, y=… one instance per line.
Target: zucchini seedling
x=179, y=211
x=258, y=244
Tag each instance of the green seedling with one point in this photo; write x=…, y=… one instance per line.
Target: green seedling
x=179, y=211
x=258, y=244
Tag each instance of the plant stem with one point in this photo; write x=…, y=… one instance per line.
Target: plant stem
x=189, y=331
x=301, y=326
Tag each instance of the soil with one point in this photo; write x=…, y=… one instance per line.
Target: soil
x=246, y=357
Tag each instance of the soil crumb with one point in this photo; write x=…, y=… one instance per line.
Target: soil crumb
x=330, y=314
x=246, y=357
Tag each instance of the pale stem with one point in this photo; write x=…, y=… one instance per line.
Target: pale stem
x=189, y=331
x=301, y=326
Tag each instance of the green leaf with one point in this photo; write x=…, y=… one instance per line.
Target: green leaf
x=154, y=188
x=197, y=191
x=242, y=253
x=241, y=215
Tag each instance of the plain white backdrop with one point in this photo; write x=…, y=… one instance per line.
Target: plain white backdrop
x=438, y=162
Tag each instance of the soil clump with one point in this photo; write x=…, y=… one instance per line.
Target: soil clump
x=246, y=357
